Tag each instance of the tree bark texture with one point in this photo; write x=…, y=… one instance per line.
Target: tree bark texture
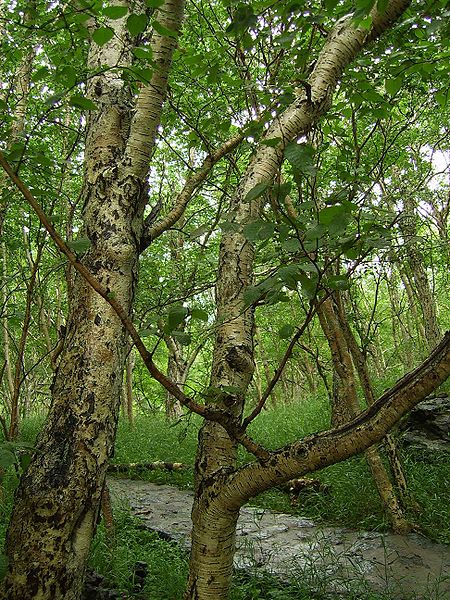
x=233, y=359
x=57, y=502
x=418, y=272
x=346, y=405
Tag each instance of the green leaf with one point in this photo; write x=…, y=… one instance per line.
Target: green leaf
x=338, y=282
x=229, y=226
x=337, y=212
x=301, y=157
x=271, y=142
x=175, y=316
x=290, y=276
x=102, y=35
x=80, y=245
x=40, y=74
x=286, y=331
x=252, y=294
x=291, y=245
x=282, y=190
x=148, y=331
x=315, y=232
x=16, y=151
x=441, y=98
x=68, y=76
x=393, y=85
x=199, y=314
x=136, y=24
x=154, y=3
x=308, y=285
x=82, y=102
x=115, y=12
x=183, y=338
x=382, y=5
x=53, y=99
x=7, y=458
x=164, y=30
x=143, y=54
x=24, y=460
x=142, y=74
x=308, y=267
x=256, y=192
x=259, y=230
x=363, y=8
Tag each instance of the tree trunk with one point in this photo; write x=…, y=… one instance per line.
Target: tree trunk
x=214, y=522
x=416, y=264
x=128, y=391
x=57, y=502
x=346, y=403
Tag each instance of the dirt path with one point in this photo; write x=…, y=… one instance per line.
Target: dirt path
x=329, y=558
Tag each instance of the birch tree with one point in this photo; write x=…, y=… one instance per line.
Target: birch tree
x=57, y=503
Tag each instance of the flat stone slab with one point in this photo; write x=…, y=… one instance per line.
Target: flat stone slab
x=331, y=559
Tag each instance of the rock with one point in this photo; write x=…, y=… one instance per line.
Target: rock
x=96, y=588
x=427, y=427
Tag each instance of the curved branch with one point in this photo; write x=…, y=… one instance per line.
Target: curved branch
x=151, y=232
x=223, y=417
x=329, y=447
x=109, y=297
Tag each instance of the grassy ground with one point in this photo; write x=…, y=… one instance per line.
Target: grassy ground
x=352, y=501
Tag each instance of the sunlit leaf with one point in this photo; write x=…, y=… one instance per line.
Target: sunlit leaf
x=82, y=102
x=199, y=314
x=392, y=86
x=271, y=142
x=115, y=12
x=143, y=54
x=164, y=30
x=80, y=245
x=301, y=157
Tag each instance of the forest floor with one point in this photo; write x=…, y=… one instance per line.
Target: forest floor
x=332, y=559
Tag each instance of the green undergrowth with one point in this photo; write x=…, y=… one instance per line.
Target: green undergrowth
x=351, y=500
x=116, y=554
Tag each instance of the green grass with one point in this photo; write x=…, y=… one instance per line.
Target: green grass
x=352, y=501
x=115, y=558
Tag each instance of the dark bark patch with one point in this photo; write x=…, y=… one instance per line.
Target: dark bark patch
x=97, y=319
